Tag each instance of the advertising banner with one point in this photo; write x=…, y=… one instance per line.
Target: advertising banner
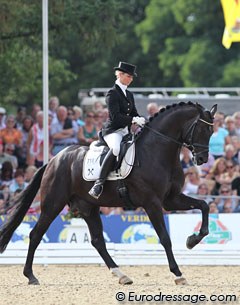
x=224, y=230
x=127, y=228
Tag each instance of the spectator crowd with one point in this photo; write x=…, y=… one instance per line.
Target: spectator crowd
x=21, y=152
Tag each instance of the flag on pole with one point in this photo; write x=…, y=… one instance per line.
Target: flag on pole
x=231, y=11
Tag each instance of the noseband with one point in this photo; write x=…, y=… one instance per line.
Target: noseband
x=187, y=143
x=190, y=145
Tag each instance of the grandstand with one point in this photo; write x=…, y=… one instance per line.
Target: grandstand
x=227, y=98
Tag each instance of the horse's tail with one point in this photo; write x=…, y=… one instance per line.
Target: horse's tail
x=21, y=207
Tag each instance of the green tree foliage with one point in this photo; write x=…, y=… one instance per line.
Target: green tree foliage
x=185, y=37
x=79, y=32
x=173, y=43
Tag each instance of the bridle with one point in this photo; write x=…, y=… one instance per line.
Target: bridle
x=187, y=142
x=190, y=145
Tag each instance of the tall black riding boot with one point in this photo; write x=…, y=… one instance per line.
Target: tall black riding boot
x=107, y=166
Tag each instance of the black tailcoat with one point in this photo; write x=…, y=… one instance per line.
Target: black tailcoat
x=121, y=110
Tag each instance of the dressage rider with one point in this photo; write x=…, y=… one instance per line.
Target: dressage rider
x=122, y=114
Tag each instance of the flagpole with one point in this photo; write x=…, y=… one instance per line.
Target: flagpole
x=45, y=80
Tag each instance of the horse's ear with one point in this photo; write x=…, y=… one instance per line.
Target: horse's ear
x=213, y=110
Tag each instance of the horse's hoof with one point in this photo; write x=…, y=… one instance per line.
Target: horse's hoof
x=33, y=282
x=124, y=280
x=180, y=281
x=192, y=241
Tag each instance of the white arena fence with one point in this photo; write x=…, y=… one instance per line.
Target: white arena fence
x=220, y=247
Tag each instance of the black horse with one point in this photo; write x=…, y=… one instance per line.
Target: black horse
x=155, y=182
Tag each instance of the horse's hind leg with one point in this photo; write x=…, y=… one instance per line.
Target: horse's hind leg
x=94, y=223
x=183, y=203
x=35, y=238
x=156, y=216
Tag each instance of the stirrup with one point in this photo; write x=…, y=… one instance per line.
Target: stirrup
x=96, y=190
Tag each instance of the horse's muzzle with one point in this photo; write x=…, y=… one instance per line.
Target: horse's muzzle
x=200, y=159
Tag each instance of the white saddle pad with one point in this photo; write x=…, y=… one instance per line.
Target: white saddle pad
x=91, y=163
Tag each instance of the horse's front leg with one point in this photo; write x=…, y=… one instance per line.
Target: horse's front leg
x=183, y=203
x=94, y=223
x=156, y=216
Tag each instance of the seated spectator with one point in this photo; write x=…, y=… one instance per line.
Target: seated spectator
x=11, y=135
x=2, y=117
x=6, y=154
x=77, y=116
x=230, y=153
x=225, y=193
x=192, y=181
x=205, y=167
x=27, y=124
x=236, y=117
x=99, y=120
x=109, y=211
x=18, y=182
x=230, y=126
x=105, y=210
x=53, y=106
x=219, y=167
x=6, y=174
x=21, y=113
x=63, y=131
x=227, y=207
x=203, y=192
x=5, y=193
x=98, y=106
x=221, y=117
x=230, y=174
x=88, y=133
x=218, y=139
x=35, y=109
x=152, y=108
x=105, y=114
x=70, y=112
x=29, y=172
x=213, y=207
x=186, y=158
x=35, y=142
x=236, y=145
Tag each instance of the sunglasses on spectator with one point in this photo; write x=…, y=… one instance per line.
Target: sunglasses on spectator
x=90, y=116
x=224, y=191
x=229, y=166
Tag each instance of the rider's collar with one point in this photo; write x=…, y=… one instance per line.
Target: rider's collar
x=123, y=87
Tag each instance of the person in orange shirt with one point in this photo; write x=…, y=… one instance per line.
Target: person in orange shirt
x=9, y=134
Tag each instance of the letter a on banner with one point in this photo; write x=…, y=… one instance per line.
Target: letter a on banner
x=231, y=10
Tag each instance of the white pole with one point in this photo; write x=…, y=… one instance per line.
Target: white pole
x=45, y=80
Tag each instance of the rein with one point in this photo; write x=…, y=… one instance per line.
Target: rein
x=190, y=130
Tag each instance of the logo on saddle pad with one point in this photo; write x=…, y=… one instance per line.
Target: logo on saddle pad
x=93, y=160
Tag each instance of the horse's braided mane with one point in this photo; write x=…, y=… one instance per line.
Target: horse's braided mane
x=162, y=111
x=168, y=107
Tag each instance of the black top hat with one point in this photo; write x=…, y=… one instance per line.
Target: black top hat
x=127, y=68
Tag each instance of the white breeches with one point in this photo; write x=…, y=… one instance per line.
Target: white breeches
x=114, y=139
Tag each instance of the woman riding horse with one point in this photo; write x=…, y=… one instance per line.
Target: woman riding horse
x=155, y=182
x=122, y=113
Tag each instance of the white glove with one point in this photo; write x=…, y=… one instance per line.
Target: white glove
x=140, y=121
